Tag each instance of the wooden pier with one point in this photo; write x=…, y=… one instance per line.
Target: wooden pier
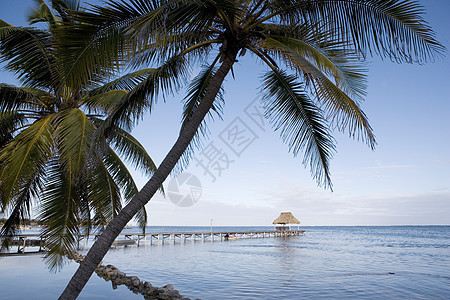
x=126, y=239
x=182, y=237
x=27, y=240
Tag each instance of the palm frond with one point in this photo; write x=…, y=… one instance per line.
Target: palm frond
x=41, y=14
x=125, y=181
x=79, y=58
x=104, y=193
x=302, y=126
x=27, y=53
x=56, y=14
x=19, y=208
x=126, y=82
x=320, y=49
x=341, y=109
x=65, y=8
x=120, y=174
x=10, y=122
x=193, y=46
x=23, y=158
x=390, y=28
x=194, y=16
x=60, y=212
x=16, y=98
x=128, y=147
x=104, y=103
x=132, y=151
x=19, y=212
x=74, y=133
x=165, y=79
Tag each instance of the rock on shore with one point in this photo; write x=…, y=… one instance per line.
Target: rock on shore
x=133, y=283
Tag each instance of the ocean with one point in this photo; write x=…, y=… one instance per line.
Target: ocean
x=355, y=262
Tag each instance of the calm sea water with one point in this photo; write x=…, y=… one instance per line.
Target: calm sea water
x=399, y=262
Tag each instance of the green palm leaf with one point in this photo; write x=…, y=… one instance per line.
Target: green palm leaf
x=60, y=211
x=196, y=91
x=126, y=82
x=165, y=79
x=119, y=172
x=110, y=95
x=78, y=58
x=343, y=111
x=25, y=98
x=75, y=132
x=41, y=13
x=104, y=193
x=105, y=102
x=301, y=122
x=10, y=122
x=327, y=55
x=131, y=150
x=27, y=53
x=126, y=183
x=19, y=208
x=23, y=157
x=390, y=28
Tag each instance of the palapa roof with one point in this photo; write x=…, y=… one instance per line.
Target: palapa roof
x=286, y=218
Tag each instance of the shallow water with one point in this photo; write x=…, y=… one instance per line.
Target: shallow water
x=328, y=262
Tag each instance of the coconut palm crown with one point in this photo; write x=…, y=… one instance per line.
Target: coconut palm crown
x=315, y=79
x=48, y=160
x=313, y=51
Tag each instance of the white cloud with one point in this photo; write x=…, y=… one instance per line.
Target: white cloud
x=312, y=207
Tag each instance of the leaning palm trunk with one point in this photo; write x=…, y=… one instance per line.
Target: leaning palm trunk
x=105, y=240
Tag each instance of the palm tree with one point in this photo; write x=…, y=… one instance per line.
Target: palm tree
x=313, y=50
x=47, y=156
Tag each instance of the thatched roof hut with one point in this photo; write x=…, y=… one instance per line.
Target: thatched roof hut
x=286, y=218
x=283, y=219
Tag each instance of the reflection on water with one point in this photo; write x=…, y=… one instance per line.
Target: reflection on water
x=26, y=277
x=328, y=262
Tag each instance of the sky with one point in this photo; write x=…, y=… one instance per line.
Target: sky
x=244, y=174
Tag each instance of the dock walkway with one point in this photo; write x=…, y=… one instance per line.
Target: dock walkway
x=124, y=239
x=161, y=238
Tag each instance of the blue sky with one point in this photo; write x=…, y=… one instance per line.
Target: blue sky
x=406, y=180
